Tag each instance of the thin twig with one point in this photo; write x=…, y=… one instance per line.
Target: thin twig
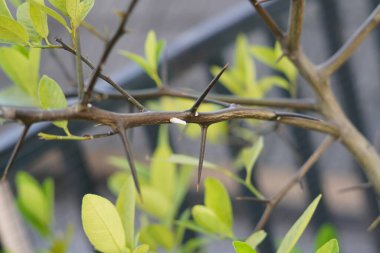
x=78, y=64
x=275, y=200
x=361, y=186
x=273, y=26
x=295, y=25
x=201, y=153
x=110, y=45
x=94, y=31
x=15, y=151
x=201, y=98
x=341, y=56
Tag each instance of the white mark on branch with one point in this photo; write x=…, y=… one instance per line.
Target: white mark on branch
x=178, y=121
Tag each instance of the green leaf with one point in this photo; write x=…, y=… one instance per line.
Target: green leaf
x=70, y=137
x=52, y=97
x=15, y=96
x=331, y=246
x=59, y=5
x=62, y=243
x=325, y=233
x=33, y=203
x=155, y=203
x=16, y=3
x=48, y=189
x=256, y=238
x=150, y=50
x=266, y=83
x=39, y=19
x=207, y=219
x=228, y=80
x=85, y=8
x=249, y=157
x=4, y=11
x=143, y=64
x=125, y=206
x=158, y=235
x=163, y=174
x=218, y=200
x=116, y=181
x=142, y=249
x=242, y=247
x=189, y=160
x=55, y=15
x=295, y=232
x=244, y=65
x=23, y=17
x=102, y=224
x=12, y=32
x=73, y=10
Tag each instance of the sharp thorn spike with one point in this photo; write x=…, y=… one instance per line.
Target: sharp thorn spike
x=201, y=153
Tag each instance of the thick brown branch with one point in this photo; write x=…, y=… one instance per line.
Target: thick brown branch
x=275, y=200
x=340, y=57
x=295, y=25
x=110, y=45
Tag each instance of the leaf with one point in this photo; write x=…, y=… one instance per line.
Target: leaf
x=218, y=200
x=85, y=8
x=51, y=97
x=48, y=189
x=266, y=83
x=16, y=3
x=284, y=64
x=23, y=17
x=102, y=224
x=116, y=181
x=142, y=249
x=256, y=238
x=190, y=160
x=73, y=10
x=249, y=157
x=15, y=96
x=207, y=219
x=4, y=11
x=33, y=203
x=227, y=80
x=295, y=232
x=39, y=19
x=331, y=246
x=142, y=63
x=244, y=65
x=12, y=32
x=163, y=174
x=242, y=247
x=158, y=235
x=125, y=206
x=55, y=15
x=59, y=5
x=50, y=137
x=325, y=233
x=150, y=50
x=155, y=203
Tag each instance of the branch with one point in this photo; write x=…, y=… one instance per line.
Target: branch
x=99, y=116
x=110, y=45
x=202, y=153
x=340, y=57
x=269, y=21
x=295, y=25
x=275, y=200
x=15, y=151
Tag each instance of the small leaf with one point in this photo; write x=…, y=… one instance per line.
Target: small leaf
x=325, y=233
x=331, y=246
x=207, y=219
x=59, y=5
x=4, y=11
x=256, y=238
x=250, y=155
x=227, y=80
x=266, y=83
x=48, y=189
x=50, y=137
x=125, y=206
x=116, y=181
x=142, y=249
x=23, y=17
x=189, y=160
x=73, y=10
x=85, y=8
x=218, y=200
x=33, y=203
x=150, y=50
x=295, y=232
x=155, y=203
x=39, y=19
x=242, y=247
x=244, y=65
x=52, y=97
x=52, y=14
x=102, y=224
x=158, y=235
x=12, y=32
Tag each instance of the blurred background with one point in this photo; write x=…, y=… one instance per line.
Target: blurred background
x=200, y=34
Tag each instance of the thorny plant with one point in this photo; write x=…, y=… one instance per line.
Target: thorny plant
x=47, y=102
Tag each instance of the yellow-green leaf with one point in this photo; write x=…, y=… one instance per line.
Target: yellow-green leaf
x=150, y=49
x=85, y=8
x=295, y=232
x=331, y=246
x=4, y=11
x=51, y=97
x=249, y=157
x=125, y=206
x=208, y=220
x=244, y=65
x=116, y=181
x=73, y=10
x=155, y=203
x=39, y=19
x=242, y=247
x=55, y=15
x=158, y=235
x=142, y=249
x=266, y=83
x=218, y=200
x=12, y=32
x=59, y=5
x=23, y=17
x=256, y=238
x=102, y=224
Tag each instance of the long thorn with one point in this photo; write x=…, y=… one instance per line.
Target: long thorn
x=15, y=151
x=197, y=103
x=128, y=152
x=201, y=153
